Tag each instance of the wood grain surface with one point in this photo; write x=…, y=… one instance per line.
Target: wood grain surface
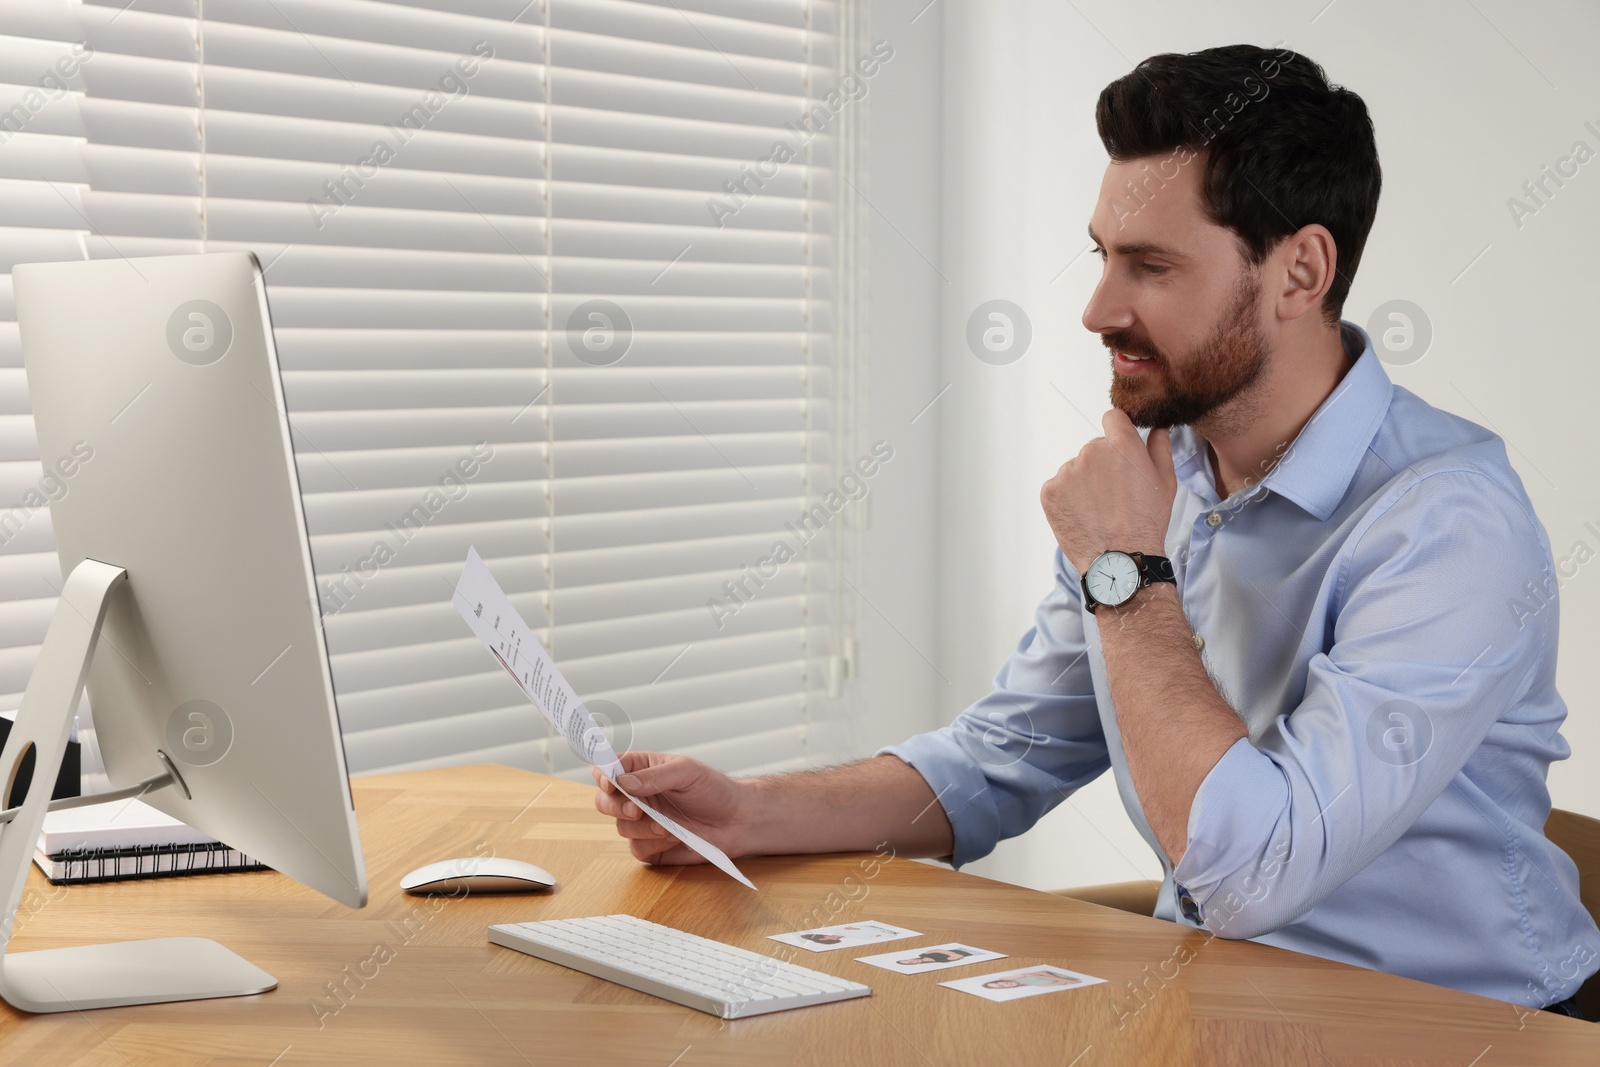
x=413, y=980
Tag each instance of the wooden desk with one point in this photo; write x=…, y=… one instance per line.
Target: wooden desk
x=435, y=992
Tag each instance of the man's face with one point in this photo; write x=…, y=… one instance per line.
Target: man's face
x=1174, y=290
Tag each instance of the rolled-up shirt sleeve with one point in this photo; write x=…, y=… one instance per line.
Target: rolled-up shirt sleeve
x=1026, y=746
x=1437, y=636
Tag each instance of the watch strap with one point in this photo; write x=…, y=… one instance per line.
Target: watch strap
x=1088, y=598
x=1154, y=568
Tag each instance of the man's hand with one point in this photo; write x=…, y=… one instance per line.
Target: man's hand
x=1116, y=494
x=687, y=791
x=858, y=807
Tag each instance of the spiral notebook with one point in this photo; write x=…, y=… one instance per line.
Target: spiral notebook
x=126, y=840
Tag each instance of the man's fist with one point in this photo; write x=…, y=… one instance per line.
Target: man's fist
x=1115, y=494
x=699, y=797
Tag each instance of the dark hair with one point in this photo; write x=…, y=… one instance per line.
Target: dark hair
x=1284, y=147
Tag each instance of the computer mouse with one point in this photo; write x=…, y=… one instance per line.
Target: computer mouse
x=477, y=874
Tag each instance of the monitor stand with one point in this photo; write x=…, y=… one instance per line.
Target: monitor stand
x=88, y=976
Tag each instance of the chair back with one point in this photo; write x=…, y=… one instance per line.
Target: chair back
x=1579, y=837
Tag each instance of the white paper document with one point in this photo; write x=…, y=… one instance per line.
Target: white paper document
x=490, y=615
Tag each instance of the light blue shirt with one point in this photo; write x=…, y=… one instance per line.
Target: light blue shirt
x=1381, y=611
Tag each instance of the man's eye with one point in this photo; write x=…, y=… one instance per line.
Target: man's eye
x=1152, y=268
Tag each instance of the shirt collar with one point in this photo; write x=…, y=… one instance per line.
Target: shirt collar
x=1317, y=467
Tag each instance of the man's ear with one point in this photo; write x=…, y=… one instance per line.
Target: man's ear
x=1311, y=262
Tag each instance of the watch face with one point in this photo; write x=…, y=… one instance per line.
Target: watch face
x=1112, y=578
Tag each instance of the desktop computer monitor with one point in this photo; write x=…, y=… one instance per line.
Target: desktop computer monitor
x=160, y=413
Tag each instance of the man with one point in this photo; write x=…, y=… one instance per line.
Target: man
x=937, y=955
x=863, y=932
x=1045, y=977
x=1295, y=620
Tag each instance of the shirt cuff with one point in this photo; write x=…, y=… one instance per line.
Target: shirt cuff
x=1227, y=837
x=959, y=786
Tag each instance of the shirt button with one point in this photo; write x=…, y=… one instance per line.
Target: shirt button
x=1214, y=519
x=1199, y=642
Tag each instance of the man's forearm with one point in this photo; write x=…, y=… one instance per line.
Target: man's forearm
x=853, y=808
x=1175, y=726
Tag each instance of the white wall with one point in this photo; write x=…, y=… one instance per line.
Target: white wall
x=1468, y=101
x=900, y=205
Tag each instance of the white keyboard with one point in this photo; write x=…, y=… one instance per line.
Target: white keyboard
x=694, y=971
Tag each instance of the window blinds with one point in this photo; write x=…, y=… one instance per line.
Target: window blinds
x=540, y=286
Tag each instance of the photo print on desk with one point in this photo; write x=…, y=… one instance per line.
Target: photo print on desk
x=934, y=958
x=1023, y=982
x=845, y=935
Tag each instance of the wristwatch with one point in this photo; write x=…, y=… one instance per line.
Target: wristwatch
x=1114, y=577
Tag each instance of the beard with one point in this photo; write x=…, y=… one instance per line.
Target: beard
x=1223, y=366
